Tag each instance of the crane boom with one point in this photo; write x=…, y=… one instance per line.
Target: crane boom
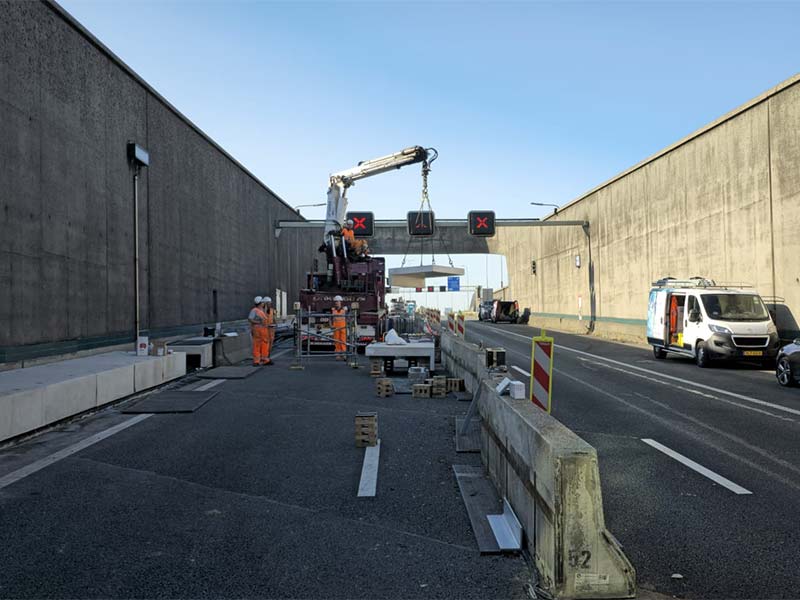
x=339, y=182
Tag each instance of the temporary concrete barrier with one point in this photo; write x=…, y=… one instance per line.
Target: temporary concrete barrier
x=39, y=396
x=551, y=479
x=234, y=349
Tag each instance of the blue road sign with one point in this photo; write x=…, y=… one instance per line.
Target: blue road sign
x=453, y=284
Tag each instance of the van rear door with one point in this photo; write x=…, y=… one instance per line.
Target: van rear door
x=656, y=322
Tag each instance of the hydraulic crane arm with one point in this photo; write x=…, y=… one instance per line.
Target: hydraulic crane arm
x=339, y=182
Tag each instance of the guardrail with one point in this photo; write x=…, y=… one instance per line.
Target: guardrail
x=550, y=478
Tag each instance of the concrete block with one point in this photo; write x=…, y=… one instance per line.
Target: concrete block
x=204, y=351
x=148, y=373
x=21, y=411
x=114, y=384
x=175, y=365
x=69, y=397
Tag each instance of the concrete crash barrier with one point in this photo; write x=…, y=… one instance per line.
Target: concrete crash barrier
x=38, y=396
x=551, y=479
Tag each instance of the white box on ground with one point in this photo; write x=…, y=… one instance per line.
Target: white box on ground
x=142, y=345
x=517, y=390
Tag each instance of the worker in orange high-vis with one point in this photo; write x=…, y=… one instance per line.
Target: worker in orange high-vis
x=339, y=325
x=270, y=323
x=258, y=331
x=354, y=246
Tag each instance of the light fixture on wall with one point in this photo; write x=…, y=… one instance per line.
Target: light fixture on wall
x=138, y=158
x=578, y=261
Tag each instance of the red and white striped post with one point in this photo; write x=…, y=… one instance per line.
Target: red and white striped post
x=541, y=385
x=451, y=322
x=460, y=330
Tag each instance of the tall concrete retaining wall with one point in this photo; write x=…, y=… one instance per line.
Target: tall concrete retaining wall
x=551, y=479
x=68, y=107
x=722, y=203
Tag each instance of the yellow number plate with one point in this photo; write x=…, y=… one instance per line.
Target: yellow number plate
x=753, y=353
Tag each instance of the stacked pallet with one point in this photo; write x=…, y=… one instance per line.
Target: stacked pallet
x=376, y=367
x=455, y=384
x=439, y=386
x=384, y=387
x=366, y=429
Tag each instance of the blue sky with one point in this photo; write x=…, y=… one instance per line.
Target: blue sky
x=525, y=101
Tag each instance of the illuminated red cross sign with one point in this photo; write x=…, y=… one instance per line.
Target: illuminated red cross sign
x=363, y=223
x=481, y=223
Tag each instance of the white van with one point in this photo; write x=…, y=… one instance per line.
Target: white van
x=706, y=321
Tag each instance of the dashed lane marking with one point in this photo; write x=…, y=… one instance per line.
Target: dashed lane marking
x=715, y=477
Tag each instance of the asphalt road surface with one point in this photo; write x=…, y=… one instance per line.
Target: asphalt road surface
x=253, y=495
x=700, y=467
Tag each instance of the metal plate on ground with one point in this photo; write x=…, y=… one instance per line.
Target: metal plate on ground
x=481, y=500
x=507, y=529
x=229, y=372
x=171, y=402
x=469, y=441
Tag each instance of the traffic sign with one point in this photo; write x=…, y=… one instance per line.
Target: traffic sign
x=481, y=223
x=363, y=223
x=453, y=284
x=421, y=222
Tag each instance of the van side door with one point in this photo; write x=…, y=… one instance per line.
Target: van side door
x=656, y=315
x=694, y=328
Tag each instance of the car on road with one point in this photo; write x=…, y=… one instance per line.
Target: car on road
x=787, y=369
x=485, y=311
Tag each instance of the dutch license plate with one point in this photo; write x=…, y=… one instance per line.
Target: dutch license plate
x=753, y=353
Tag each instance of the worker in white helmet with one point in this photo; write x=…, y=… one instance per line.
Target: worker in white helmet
x=339, y=325
x=270, y=322
x=356, y=248
x=259, y=332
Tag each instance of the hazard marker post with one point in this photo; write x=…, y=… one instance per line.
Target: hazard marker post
x=460, y=329
x=541, y=385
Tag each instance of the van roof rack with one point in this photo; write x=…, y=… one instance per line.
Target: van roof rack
x=698, y=282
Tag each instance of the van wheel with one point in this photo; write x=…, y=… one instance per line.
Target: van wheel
x=701, y=356
x=784, y=373
x=659, y=353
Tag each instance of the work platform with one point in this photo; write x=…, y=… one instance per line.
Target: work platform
x=253, y=494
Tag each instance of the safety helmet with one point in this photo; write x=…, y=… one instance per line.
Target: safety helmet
x=266, y=299
x=349, y=222
x=337, y=298
x=258, y=300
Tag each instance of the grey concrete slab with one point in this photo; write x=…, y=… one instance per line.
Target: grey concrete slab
x=178, y=401
x=469, y=441
x=240, y=372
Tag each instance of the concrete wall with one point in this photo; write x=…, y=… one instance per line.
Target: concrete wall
x=723, y=203
x=67, y=109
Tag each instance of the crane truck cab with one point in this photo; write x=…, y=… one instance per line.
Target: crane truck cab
x=706, y=321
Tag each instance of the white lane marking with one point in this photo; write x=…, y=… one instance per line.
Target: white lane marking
x=523, y=371
x=40, y=464
x=736, y=489
x=664, y=376
x=680, y=428
x=690, y=391
x=369, y=471
x=208, y=386
x=281, y=353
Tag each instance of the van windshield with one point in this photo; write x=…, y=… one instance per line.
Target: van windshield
x=735, y=307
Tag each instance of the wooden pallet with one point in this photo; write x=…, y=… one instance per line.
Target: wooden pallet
x=384, y=388
x=421, y=390
x=455, y=384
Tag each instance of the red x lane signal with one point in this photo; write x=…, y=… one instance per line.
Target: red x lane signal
x=481, y=223
x=363, y=223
